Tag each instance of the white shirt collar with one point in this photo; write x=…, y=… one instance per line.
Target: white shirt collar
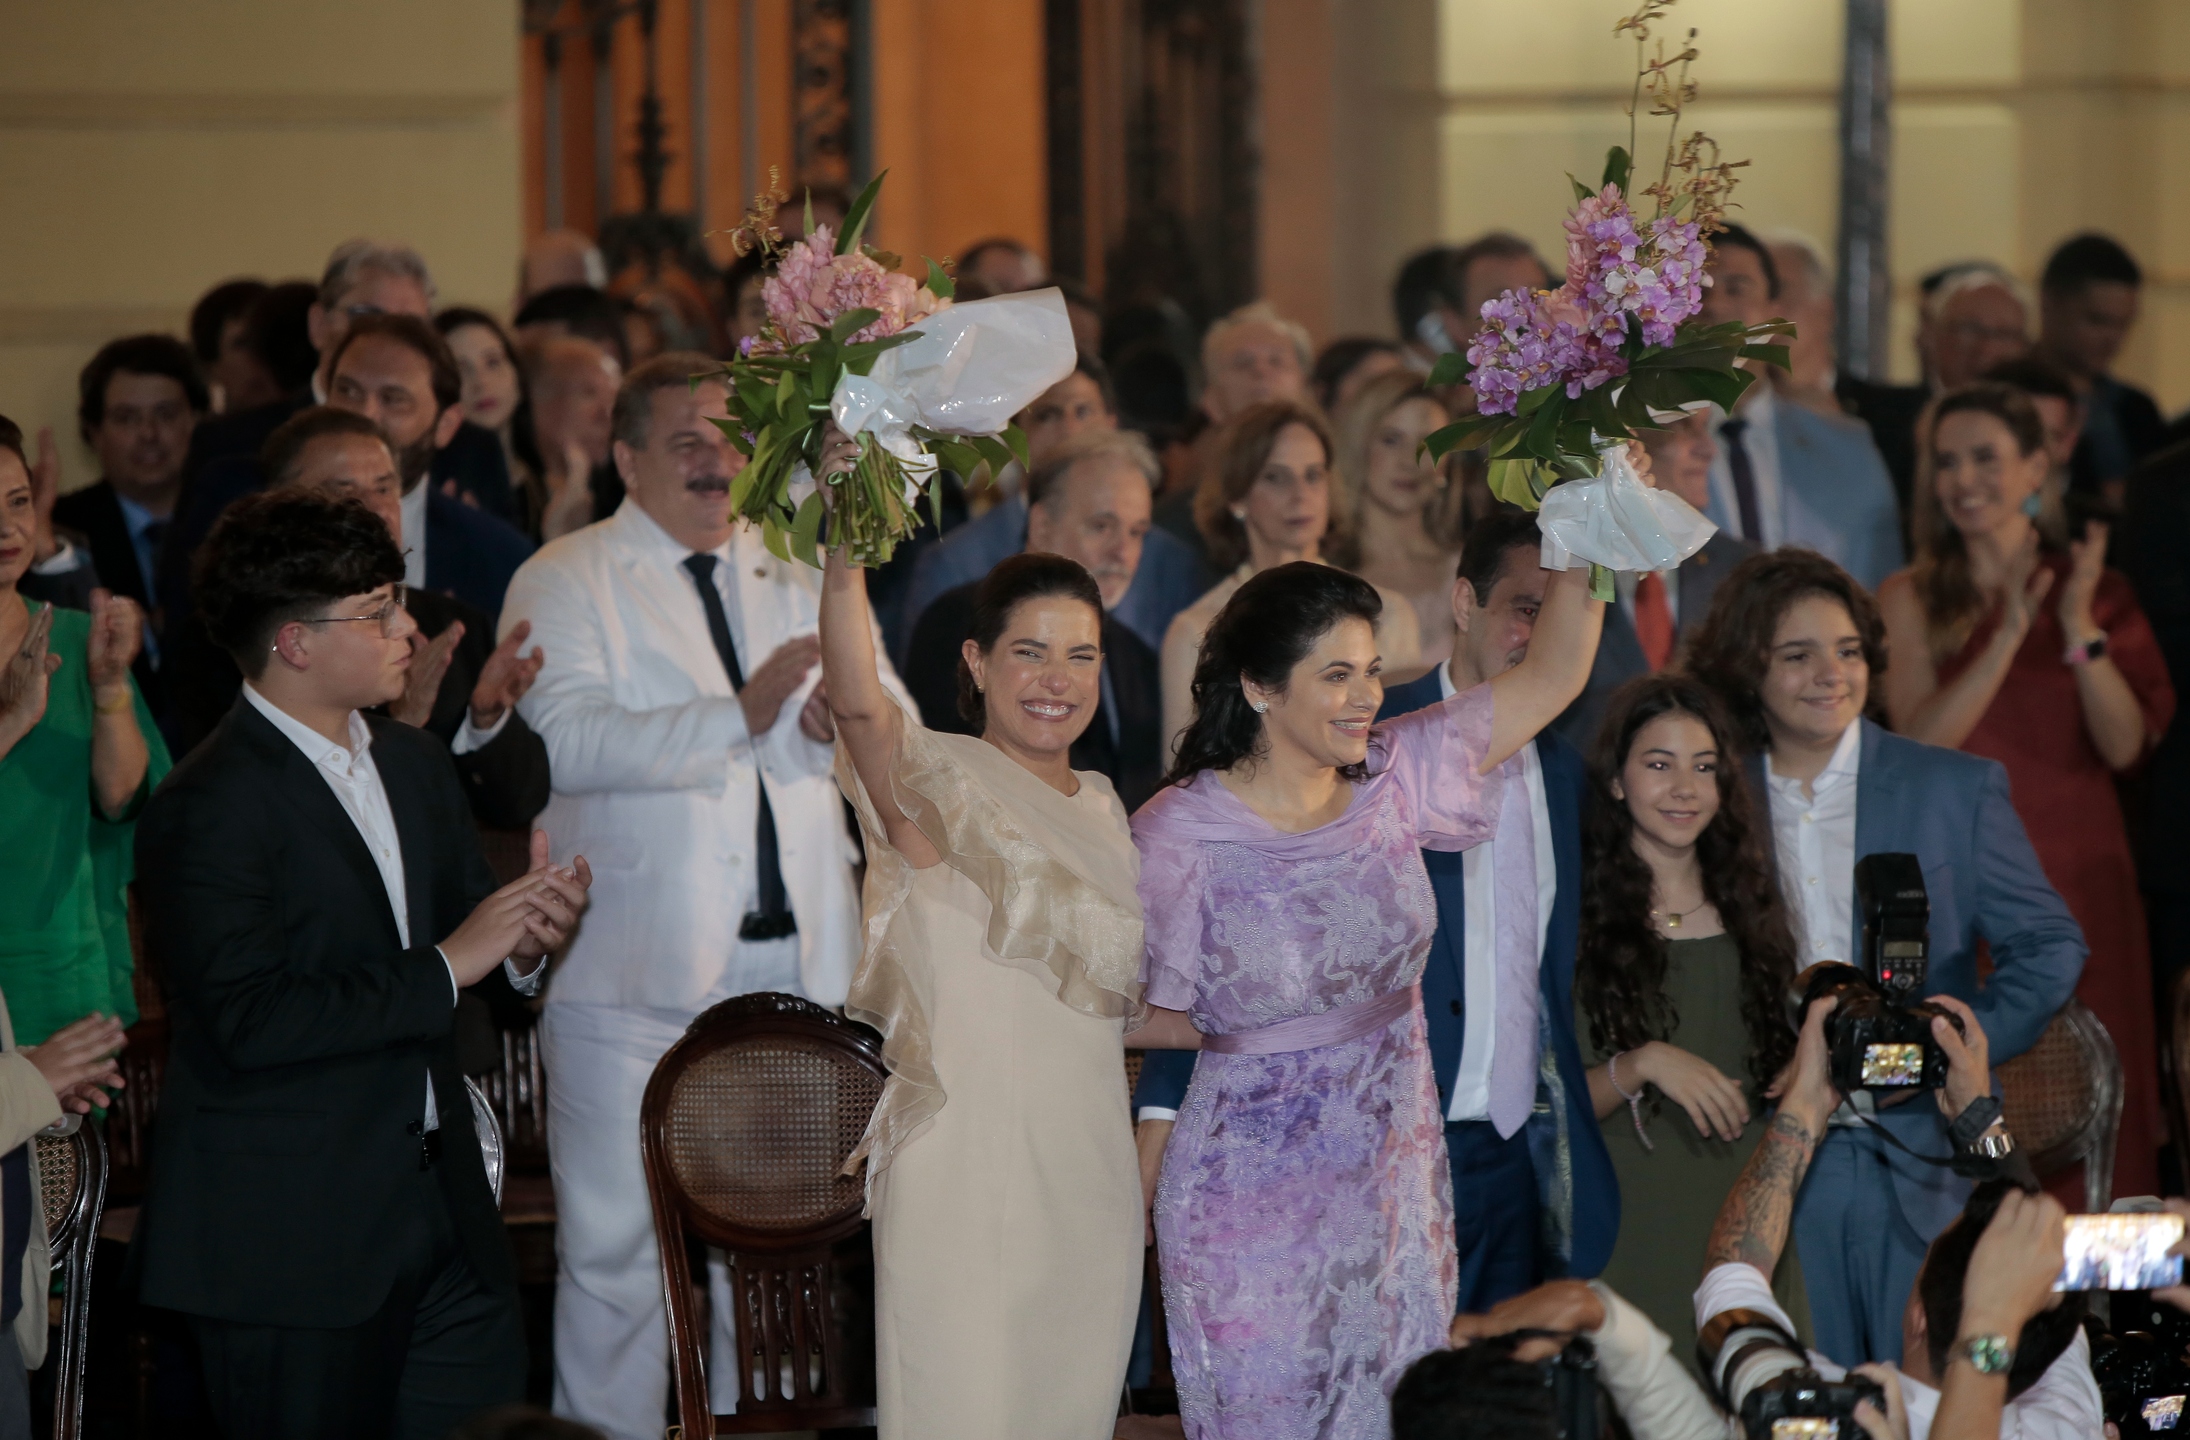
x=414, y=535
x=649, y=532
x=1846, y=762
x=317, y=748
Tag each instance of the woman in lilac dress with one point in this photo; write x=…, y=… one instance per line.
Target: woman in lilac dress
x=1304, y=1215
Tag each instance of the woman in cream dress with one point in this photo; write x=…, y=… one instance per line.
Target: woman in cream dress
x=1266, y=503
x=1003, y=945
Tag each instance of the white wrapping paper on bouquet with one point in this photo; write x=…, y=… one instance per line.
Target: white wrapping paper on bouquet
x=974, y=367
x=1614, y=520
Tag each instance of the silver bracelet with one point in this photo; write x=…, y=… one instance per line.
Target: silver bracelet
x=1634, y=1101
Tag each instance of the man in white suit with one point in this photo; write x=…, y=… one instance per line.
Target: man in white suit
x=691, y=752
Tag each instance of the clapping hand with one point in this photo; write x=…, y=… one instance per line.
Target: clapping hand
x=505, y=678
x=524, y=920
x=814, y=720
x=781, y=673
x=78, y=1062
x=23, y=681
x=117, y=634
x=2088, y=565
x=429, y=666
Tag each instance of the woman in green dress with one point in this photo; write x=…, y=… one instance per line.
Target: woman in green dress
x=78, y=757
x=1680, y=984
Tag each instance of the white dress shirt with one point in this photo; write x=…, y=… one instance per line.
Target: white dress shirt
x=2063, y=1405
x=350, y=772
x=1814, y=837
x=414, y=535
x=1479, y=966
x=1760, y=437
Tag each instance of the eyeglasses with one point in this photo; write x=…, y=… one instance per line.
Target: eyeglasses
x=389, y=615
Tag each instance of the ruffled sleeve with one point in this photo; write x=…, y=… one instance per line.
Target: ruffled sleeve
x=1432, y=755
x=1061, y=895
x=1171, y=895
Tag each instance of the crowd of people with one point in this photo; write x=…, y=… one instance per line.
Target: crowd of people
x=1469, y=924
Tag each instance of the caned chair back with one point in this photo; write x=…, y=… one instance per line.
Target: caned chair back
x=72, y=1192
x=745, y=1129
x=2063, y=1101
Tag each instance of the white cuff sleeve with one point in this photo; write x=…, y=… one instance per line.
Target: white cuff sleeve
x=60, y=562
x=455, y=990
x=526, y=984
x=1654, y=1393
x=470, y=737
x=1156, y=1112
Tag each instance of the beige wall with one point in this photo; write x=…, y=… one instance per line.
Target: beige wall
x=2017, y=122
x=149, y=149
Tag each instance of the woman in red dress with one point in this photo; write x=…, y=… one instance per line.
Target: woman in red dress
x=2065, y=694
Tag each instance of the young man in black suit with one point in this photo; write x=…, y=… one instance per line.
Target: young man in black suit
x=315, y=897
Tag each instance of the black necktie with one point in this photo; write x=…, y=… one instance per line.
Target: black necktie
x=1745, y=480
x=773, y=920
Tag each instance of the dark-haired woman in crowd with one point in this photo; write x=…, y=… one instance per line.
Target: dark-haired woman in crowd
x=1304, y=1215
x=2012, y=641
x=1002, y=966
x=78, y=756
x=1266, y=502
x=482, y=459
x=1679, y=982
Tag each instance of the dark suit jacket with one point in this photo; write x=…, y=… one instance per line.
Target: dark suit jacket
x=470, y=554
x=1951, y=810
x=2152, y=545
x=238, y=434
x=474, y=460
x=284, y=1176
x=1133, y=762
x=1619, y=653
x=94, y=513
x=1585, y=1187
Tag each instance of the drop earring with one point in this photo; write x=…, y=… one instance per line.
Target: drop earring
x=2032, y=505
x=1261, y=707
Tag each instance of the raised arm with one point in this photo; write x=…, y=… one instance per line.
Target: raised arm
x=1752, y=1224
x=867, y=719
x=1533, y=693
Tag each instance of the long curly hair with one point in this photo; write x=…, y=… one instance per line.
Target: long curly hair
x=1266, y=628
x=1619, y=974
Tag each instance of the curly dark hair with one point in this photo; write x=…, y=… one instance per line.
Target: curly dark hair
x=1619, y=973
x=1266, y=628
x=161, y=355
x=1732, y=649
x=284, y=555
x=1029, y=576
x=1477, y=1390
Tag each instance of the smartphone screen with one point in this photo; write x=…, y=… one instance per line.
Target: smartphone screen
x=2120, y=1252
x=2163, y=1412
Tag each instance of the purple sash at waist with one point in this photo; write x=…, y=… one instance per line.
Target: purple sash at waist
x=1310, y=1032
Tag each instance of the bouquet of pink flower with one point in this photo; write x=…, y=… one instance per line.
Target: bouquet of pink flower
x=888, y=359
x=1561, y=375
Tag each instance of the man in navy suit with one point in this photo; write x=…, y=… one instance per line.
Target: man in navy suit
x=1534, y=1196
x=1786, y=475
x=1645, y=624
x=1791, y=643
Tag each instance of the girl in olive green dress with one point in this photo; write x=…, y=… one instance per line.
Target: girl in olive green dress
x=1679, y=987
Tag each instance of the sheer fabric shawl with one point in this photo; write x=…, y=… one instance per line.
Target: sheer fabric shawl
x=1062, y=895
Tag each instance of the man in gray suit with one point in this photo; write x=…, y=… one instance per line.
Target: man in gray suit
x=1786, y=475
x=1644, y=627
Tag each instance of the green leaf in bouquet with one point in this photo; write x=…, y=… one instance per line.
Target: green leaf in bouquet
x=1543, y=428
x=806, y=528
x=1452, y=368
x=1532, y=401
x=1016, y=440
x=1616, y=167
x=1517, y=482
x=1780, y=355
x=753, y=395
x=1601, y=584
x=940, y=284
x=1721, y=387
x=855, y=219
x=1581, y=191
x=772, y=535
x=851, y=322
x=998, y=454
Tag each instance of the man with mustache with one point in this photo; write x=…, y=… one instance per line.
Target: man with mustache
x=692, y=758
x=1088, y=500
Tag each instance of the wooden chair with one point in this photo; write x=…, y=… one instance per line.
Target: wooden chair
x=744, y=1129
x=72, y=1186
x=2063, y=1101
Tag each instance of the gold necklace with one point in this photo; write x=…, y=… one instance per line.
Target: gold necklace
x=1673, y=918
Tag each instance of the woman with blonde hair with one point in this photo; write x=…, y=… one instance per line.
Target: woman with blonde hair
x=1267, y=502
x=1399, y=518
x=2013, y=642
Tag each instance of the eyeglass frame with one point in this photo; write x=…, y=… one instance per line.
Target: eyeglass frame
x=385, y=614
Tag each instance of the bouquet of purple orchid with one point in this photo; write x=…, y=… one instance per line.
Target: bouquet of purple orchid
x=1560, y=374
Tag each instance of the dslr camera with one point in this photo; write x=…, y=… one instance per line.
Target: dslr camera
x=1880, y=1035
x=2142, y=1380
x=1764, y=1377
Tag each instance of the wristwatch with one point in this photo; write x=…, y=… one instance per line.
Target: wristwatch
x=2083, y=652
x=1987, y=1354
x=1994, y=1144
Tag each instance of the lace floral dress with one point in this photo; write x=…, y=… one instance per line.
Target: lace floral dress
x=1304, y=1217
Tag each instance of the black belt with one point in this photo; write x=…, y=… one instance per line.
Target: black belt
x=757, y=926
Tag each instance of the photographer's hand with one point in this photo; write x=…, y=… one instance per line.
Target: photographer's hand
x=1894, y=1424
x=1752, y=1224
x=1969, y=1072
x=1568, y=1307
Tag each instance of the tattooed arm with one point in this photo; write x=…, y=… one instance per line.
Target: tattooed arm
x=1752, y=1224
